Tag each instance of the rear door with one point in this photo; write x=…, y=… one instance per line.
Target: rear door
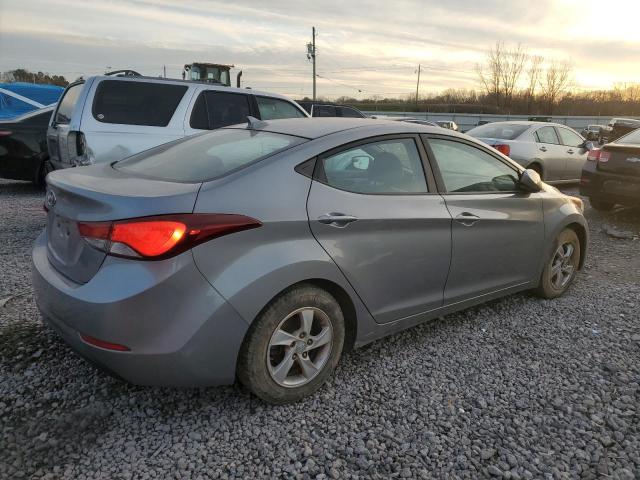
x=576, y=154
x=58, y=131
x=551, y=152
x=378, y=217
x=497, y=231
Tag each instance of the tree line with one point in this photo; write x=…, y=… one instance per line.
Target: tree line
x=24, y=75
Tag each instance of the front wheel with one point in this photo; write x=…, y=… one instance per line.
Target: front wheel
x=561, y=268
x=292, y=348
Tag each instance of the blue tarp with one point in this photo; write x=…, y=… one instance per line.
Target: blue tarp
x=11, y=105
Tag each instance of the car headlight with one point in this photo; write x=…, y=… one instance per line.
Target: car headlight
x=578, y=203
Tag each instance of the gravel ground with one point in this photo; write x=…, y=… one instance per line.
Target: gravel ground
x=518, y=388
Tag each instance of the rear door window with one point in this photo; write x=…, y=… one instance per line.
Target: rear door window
x=68, y=103
x=547, y=135
x=273, y=108
x=137, y=103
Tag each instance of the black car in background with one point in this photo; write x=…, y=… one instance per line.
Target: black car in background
x=324, y=109
x=612, y=174
x=617, y=128
x=23, y=147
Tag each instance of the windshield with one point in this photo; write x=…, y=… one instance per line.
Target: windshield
x=207, y=156
x=504, y=131
x=632, y=138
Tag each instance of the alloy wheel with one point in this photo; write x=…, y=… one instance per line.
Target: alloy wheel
x=562, y=266
x=300, y=347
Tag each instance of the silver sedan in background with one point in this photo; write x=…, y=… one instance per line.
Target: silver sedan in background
x=262, y=252
x=555, y=151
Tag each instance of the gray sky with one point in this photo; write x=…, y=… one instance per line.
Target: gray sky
x=371, y=46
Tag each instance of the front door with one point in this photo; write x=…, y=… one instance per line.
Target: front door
x=576, y=153
x=497, y=231
x=371, y=210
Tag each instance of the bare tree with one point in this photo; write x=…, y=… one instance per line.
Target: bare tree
x=512, y=66
x=490, y=74
x=533, y=77
x=556, y=80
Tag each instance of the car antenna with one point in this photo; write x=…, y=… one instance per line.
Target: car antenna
x=254, y=124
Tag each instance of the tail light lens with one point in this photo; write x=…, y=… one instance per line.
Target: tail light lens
x=96, y=342
x=604, y=156
x=163, y=236
x=5, y=133
x=503, y=148
x=77, y=146
x=594, y=155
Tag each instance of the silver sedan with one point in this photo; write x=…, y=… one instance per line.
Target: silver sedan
x=555, y=151
x=264, y=251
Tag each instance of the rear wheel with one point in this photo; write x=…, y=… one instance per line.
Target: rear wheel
x=599, y=204
x=561, y=268
x=293, y=346
x=42, y=172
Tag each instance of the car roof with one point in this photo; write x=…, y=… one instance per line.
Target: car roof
x=317, y=127
x=530, y=123
x=197, y=84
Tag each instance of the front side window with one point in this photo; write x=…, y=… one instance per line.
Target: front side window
x=207, y=156
x=383, y=167
x=137, y=103
x=569, y=138
x=68, y=103
x=467, y=169
x=547, y=135
x=324, y=111
x=273, y=108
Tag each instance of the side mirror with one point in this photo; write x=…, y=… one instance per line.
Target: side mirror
x=530, y=181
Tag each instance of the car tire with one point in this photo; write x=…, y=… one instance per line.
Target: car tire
x=561, y=267
x=279, y=361
x=601, y=205
x=41, y=174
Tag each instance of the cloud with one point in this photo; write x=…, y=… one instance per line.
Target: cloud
x=370, y=46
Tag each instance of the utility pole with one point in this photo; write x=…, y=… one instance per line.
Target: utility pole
x=164, y=71
x=418, y=84
x=311, y=55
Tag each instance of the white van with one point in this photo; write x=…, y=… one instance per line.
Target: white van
x=105, y=118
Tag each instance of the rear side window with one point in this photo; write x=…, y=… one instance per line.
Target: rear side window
x=220, y=109
x=68, y=103
x=207, y=156
x=136, y=103
x=273, y=108
x=503, y=131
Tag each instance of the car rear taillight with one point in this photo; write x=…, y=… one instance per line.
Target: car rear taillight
x=5, y=133
x=77, y=145
x=594, y=155
x=503, y=148
x=162, y=236
x=604, y=156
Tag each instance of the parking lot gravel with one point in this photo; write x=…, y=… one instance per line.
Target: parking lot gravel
x=517, y=388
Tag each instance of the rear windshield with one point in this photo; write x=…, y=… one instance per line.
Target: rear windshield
x=504, y=131
x=136, y=103
x=207, y=156
x=68, y=103
x=632, y=138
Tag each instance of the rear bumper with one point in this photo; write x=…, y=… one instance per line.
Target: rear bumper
x=179, y=329
x=609, y=187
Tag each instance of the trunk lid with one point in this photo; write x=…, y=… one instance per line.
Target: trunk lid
x=624, y=159
x=101, y=193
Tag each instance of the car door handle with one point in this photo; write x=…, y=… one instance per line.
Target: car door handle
x=467, y=219
x=336, y=219
x=543, y=149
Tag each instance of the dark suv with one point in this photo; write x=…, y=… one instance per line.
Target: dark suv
x=323, y=109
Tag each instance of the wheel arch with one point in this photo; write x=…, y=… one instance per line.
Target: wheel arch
x=581, y=232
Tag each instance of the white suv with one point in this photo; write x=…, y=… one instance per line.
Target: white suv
x=104, y=119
